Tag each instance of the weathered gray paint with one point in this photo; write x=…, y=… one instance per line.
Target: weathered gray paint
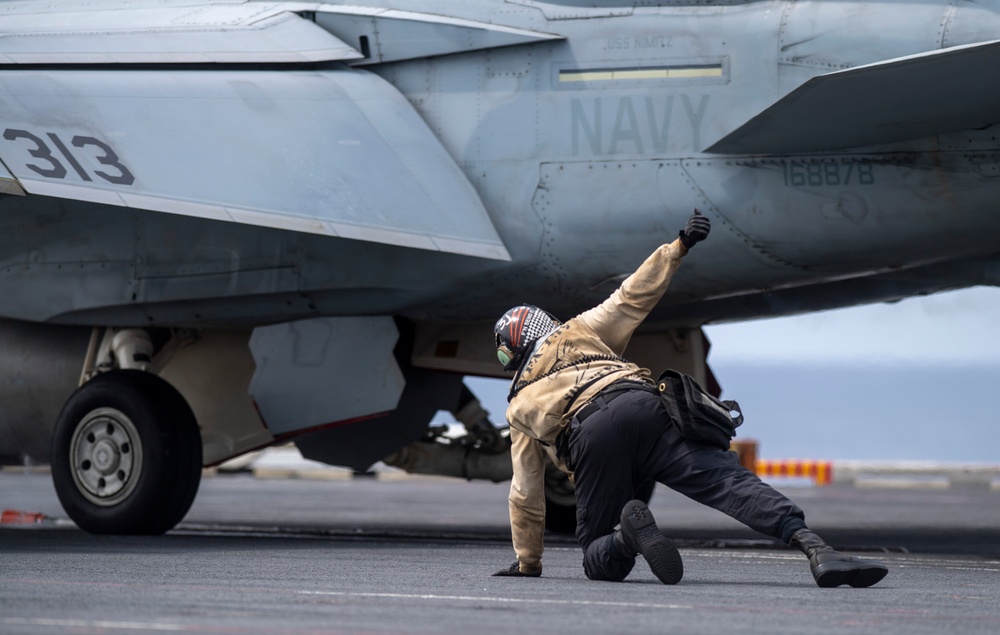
x=845, y=152
x=322, y=371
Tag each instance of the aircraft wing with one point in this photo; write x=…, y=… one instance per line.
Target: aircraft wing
x=173, y=34
x=904, y=98
x=256, y=32
x=336, y=151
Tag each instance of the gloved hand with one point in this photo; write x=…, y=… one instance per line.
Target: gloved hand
x=696, y=230
x=514, y=570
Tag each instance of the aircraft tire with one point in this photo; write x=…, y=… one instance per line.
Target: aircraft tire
x=560, y=501
x=560, y=517
x=126, y=455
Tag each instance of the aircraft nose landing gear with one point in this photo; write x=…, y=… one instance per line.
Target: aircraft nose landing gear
x=126, y=454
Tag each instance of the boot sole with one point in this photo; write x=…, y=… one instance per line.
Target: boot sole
x=659, y=551
x=834, y=574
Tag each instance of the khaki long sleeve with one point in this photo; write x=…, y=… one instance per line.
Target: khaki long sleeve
x=527, y=500
x=567, y=369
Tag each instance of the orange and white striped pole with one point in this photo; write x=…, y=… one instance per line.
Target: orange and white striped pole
x=820, y=471
x=746, y=450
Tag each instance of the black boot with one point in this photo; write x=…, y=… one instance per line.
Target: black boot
x=640, y=535
x=831, y=568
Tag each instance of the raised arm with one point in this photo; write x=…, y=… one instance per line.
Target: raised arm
x=615, y=319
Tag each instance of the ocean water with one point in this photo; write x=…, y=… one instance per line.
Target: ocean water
x=868, y=412
x=856, y=412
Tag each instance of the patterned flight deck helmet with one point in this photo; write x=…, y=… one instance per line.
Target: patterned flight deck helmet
x=517, y=330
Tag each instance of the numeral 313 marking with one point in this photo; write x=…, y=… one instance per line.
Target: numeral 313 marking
x=51, y=166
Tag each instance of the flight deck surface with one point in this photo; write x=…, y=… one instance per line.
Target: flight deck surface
x=414, y=556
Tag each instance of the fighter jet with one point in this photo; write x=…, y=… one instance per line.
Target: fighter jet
x=229, y=224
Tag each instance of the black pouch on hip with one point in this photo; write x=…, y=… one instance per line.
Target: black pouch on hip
x=698, y=415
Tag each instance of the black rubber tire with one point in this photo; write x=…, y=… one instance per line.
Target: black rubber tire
x=561, y=519
x=158, y=492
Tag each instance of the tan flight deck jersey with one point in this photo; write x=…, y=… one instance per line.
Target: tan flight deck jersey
x=545, y=403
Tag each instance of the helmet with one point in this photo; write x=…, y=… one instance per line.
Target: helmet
x=518, y=329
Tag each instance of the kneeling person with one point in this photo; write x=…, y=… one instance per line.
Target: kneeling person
x=602, y=421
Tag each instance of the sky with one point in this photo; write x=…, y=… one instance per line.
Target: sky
x=913, y=380
x=954, y=328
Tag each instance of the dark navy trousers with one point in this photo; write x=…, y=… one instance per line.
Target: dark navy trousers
x=631, y=441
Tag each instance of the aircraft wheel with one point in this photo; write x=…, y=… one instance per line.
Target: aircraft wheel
x=560, y=518
x=126, y=454
x=560, y=502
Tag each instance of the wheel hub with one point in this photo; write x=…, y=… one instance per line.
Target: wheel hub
x=106, y=455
